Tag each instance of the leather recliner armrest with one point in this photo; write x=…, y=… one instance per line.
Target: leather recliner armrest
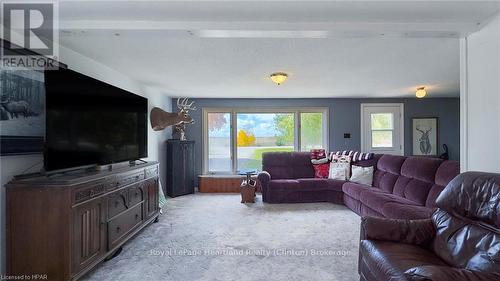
x=417, y=232
x=444, y=273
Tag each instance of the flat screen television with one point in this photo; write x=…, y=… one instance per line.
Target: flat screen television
x=91, y=122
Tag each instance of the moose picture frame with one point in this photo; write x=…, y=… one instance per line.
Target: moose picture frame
x=22, y=112
x=425, y=136
x=22, y=108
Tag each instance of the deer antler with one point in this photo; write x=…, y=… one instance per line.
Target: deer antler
x=422, y=131
x=183, y=105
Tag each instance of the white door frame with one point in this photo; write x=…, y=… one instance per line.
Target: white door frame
x=464, y=113
x=402, y=123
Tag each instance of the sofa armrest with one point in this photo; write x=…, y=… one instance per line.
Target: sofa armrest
x=444, y=273
x=417, y=232
x=264, y=178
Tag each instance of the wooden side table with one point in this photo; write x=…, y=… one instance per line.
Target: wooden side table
x=248, y=187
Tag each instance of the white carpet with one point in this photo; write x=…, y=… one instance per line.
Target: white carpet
x=215, y=237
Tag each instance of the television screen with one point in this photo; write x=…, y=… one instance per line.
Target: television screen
x=91, y=122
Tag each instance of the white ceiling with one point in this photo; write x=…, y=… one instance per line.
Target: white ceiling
x=229, y=48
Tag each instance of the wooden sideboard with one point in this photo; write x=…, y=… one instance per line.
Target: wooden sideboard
x=62, y=225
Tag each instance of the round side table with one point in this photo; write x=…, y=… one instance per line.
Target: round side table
x=248, y=187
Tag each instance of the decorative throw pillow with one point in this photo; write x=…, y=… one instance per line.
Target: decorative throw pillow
x=339, y=167
x=318, y=153
x=320, y=163
x=321, y=170
x=337, y=173
x=362, y=175
x=355, y=155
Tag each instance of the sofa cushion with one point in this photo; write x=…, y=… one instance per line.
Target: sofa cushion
x=335, y=184
x=446, y=172
x=389, y=260
x=284, y=184
x=433, y=195
x=384, y=180
x=417, y=178
x=421, y=168
x=388, y=169
x=395, y=210
x=417, y=191
x=412, y=189
x=377, y=200
x=391, y=163
x=313, y=184
x=354, y=189
x=287, y=165
x=320, y=184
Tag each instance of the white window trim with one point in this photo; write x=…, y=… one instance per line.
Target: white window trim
x=235, y=110
x=402, y=126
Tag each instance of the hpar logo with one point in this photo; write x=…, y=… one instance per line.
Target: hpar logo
x=30, y=33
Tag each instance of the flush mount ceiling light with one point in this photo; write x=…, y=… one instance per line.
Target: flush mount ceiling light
x=279, y=77
x=421, y=92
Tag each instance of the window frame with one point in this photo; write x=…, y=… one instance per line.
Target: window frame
x=399, y=118
x=234, y=111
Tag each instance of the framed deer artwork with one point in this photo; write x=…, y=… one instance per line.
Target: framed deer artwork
x=425, y=136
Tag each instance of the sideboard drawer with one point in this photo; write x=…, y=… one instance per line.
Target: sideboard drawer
x=135, y=194
x=130, y=178
x=88, y=192
x=120, y=226
x=117, y=203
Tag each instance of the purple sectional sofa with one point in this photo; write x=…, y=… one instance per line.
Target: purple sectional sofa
x=403, y=187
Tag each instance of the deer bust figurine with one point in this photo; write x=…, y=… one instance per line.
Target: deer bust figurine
x=161, y=119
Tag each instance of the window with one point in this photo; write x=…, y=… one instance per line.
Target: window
x=262, y=132
x=219, y=141
x=311, y=132
x=235, y=139
x=382, y=128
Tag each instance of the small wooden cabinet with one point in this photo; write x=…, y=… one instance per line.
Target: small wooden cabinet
x=63, y=225
x=180, y=167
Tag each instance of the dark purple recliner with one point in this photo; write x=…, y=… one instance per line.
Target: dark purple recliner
x=403, y=187
x=461, y=242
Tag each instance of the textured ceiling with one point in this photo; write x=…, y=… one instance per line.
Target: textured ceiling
x=330, y=49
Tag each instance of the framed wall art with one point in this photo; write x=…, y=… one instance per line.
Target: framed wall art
x=425, y=136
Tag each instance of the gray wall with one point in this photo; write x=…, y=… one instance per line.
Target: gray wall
x=344, y=117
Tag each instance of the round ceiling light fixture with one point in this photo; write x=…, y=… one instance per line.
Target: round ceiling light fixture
x=279, y=77
x=421, y=92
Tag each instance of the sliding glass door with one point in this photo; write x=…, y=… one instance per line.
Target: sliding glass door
x=262, y=132
x=235, y=138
